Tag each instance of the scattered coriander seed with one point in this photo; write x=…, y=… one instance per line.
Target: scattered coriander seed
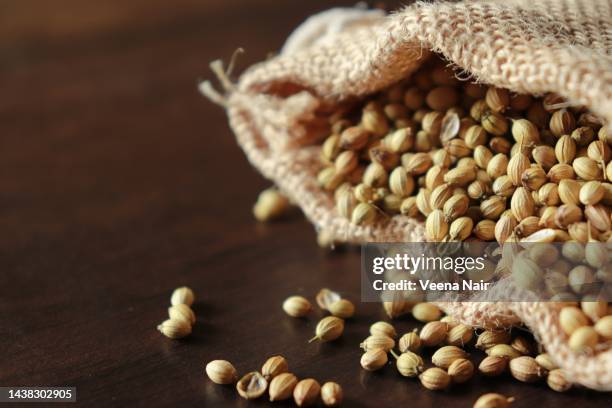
x=378, y=342
x=306, y=392
x=331, y=394
x=409, y=364
x=493, y=400
x=503, y=350
x=328, y=329
x=461, y=370
x=182, y=312
x=546, y=362
x=182, y=295
x=490, y=338
x=410, y=342
x=525, y=369
x=492, y=366
x=426, y=312
x=435, y=379
x=282, y=386
x=459, y=335
x=221, y=372
x=383, y=329
x=274, y=366
x=271, y=204
x=252, y=385
x=297, y=306
x=373, y=360
x=326, y=297
x=175, y=328
x=342, y=308
x=433, y=333
x=444, y=356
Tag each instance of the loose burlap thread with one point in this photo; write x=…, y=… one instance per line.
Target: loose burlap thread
x=278, y=109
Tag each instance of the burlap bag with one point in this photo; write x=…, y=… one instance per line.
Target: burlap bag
x=278, y=108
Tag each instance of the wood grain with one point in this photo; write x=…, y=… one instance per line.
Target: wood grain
x=119, y=182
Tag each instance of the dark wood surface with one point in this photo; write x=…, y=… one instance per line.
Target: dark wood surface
x=119, y=182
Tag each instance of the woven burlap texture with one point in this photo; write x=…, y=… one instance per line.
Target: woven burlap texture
x=277, y=109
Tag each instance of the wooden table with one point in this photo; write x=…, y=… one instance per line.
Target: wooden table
x=119, y=182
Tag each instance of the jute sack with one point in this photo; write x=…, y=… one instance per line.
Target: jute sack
x=279, y=109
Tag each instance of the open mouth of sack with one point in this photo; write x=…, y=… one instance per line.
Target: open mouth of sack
x=472, y=161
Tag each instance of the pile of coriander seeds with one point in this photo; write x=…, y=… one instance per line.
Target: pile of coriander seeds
x=473, y=161
x=450, y=344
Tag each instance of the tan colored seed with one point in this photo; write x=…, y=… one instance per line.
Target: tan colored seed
x=440, y=195
x=494, y=123
x=599, y=217
x=526, y=369
x=328, y=329
x=456, y=206
x=377, y=342
x=591, y=193
x=516, y=166
x=503, y=350
x=546, y=362
x=569, y=191
x=459, y=335
x=562, y=123
x=297, y=306
x=444, y=356
x=175, y=328
x=182, y=312
x=435, y=379
x=383, y=329
x=426, y=312
x=565, y=149
x=282, y=386
x=460, y=176
x=221, y=372
x=544, y=156
x=603, y=327
x=410, y=364
x=354, y=138
x=274, y=366
x=522, y=204
x=331, y=394
x=583, y=339
x=461, y=370
x=492, y=207
x=583, y=135
x=342, y=308
x=306, y=392
x=556, y=380
x=373, y=360
x=364, y=214
x=497, y=166
x=485, y=230
x=560, y=171
x=436, y=226
x=572, y=318
x=492, y=366
x=493, y=401
x=433, y=333
x=410, y=342
x=503, y=186
x=587, y=169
